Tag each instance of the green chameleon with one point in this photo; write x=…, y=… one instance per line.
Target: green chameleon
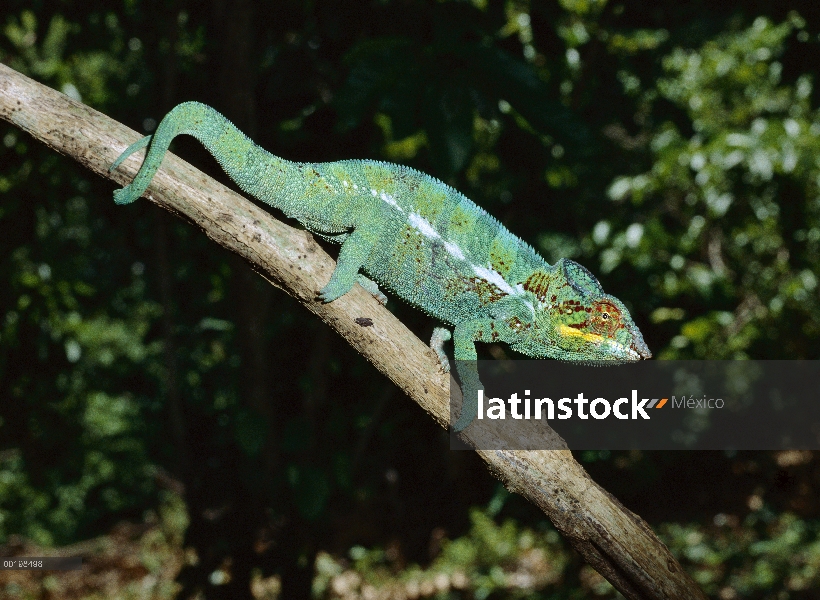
x=422, y=240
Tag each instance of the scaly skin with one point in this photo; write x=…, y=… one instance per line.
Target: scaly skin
x=425, y=242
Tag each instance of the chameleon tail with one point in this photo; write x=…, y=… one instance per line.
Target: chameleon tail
x=139, y=145
x=257, y=172
x=179, y=120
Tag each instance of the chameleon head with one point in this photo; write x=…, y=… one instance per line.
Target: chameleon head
x=575, y=320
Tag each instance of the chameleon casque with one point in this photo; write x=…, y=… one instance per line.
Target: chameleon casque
x=423, y=241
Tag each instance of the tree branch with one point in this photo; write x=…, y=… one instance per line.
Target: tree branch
x=615, y=541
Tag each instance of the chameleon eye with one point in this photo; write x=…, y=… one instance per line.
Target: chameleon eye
x=605, y=318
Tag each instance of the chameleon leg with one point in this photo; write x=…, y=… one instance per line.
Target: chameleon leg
x=465, y=334
x=354, y=251
x=441, y=335
x=372, y=288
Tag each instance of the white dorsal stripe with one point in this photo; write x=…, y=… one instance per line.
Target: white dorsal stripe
x=388, y=199
x=454, y=251
x=495, y=278
x=423, y=226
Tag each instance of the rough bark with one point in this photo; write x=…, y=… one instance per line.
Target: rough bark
x=615, y=541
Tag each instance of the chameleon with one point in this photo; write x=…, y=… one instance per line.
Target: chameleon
x=423, y=241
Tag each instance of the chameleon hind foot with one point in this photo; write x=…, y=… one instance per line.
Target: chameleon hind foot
x=372, y=288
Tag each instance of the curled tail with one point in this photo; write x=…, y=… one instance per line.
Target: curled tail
x=257, y=172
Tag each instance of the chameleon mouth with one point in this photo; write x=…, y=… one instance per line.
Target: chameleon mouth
x=634, y=353
x=640, y=349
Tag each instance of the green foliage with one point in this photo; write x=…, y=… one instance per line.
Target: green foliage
x=82, y=75
x=490, y=560
x=728, y=229
x=403, y=78
x=762, y=556
x=74, y=448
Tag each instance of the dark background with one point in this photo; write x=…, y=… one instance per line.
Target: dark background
x=147, y=377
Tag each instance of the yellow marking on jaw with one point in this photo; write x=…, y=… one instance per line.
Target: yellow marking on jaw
x=567, y=331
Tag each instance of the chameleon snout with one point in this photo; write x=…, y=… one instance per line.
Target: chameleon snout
x=639, y=346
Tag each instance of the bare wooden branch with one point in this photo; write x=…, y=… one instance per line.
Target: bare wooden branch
x=615, y=541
